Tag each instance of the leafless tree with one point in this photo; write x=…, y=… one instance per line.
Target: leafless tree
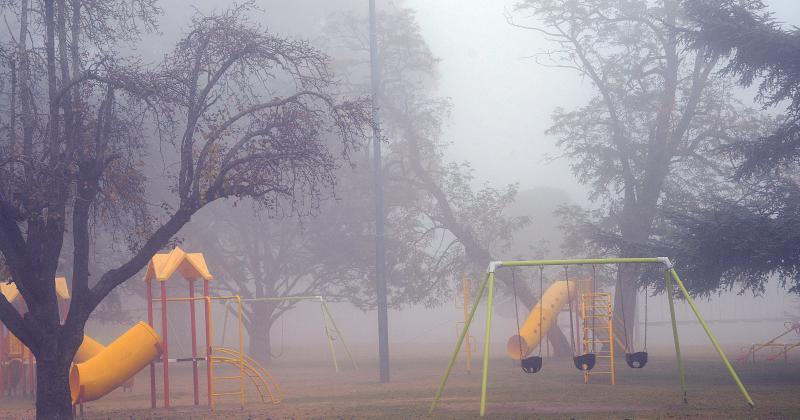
x=80, y=119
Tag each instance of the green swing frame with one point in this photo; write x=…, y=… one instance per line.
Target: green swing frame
x=670, y=275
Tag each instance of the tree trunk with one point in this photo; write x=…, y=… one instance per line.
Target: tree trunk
x=53, y=400
x=259, y=332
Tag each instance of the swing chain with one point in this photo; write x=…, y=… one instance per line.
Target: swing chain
x=516, y=309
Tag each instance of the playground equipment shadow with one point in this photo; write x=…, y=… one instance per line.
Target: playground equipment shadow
x=316, y=391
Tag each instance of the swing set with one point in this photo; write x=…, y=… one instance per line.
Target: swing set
x=535, y=323
x=329, y=327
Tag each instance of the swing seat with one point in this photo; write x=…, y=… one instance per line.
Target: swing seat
x=585, y=361
x=531, y=364
x=636, y=360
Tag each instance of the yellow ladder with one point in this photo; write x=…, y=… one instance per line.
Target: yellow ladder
x=598, y=333
x=268, y=390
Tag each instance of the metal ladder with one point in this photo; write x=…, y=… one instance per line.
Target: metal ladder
x=598, y=333
x=267, y=388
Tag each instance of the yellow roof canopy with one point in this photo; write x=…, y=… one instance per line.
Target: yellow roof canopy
x=190, y=265
x=10, y=291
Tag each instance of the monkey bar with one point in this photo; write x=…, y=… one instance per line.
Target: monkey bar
x=669, y=275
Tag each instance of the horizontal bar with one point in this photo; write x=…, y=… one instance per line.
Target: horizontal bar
x=278, y=299
x=178, y=299
x=183, y=359
x=219, y=394
x=590, y=261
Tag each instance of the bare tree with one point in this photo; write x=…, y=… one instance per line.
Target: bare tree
x=83, y=118
x=650, y=135
x=471, y=225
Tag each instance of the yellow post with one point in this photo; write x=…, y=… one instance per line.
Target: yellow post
x=210, y=352
x=611, y=345
x=241, y=353
x=485, y=373
x=711, y=337
x=467, y=349
x=459, y=342
x=328, y=335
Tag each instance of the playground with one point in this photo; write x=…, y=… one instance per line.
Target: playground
x=314, y=390
x=136, y=375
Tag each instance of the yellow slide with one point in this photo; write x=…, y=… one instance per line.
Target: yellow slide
x=538, y=322
x=89, y=348
x=113, y=365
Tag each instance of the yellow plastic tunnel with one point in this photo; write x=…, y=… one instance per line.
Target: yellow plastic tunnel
x=88, y=349
x=110, y=368
x=541, y=318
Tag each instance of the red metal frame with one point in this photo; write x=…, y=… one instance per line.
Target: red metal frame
x=207, y=306
x=194, y=343
x=164, y=343
x=152, y=364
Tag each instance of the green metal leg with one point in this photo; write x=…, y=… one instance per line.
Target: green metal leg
x=712, y=338
x=457, y=350
x=669, y=290
x=486, y=344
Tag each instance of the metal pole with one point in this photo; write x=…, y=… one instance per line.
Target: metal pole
x=712, y=338
x=209, y=351
x=241, y=352
x=338, y=333
x=164, y=343
x=468, y=349
x=328, y=337
x=193, y=321
x=669, y=290
x=457, y=350
x=380, y=249
x=150, y=322
x=485, y=372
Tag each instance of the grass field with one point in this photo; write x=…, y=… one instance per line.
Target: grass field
x=316, y=391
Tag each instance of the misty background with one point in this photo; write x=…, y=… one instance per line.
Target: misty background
x=502, y=103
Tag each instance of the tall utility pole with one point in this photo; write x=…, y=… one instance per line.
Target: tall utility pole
x=380, y=248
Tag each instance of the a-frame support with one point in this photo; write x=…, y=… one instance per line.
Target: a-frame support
x=669, y=275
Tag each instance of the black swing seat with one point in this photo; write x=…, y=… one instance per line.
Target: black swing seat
x=531, y=364
x=585, y=361
x=636, y=360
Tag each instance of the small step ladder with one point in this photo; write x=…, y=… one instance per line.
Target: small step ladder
x=598, y=333
x=266, y=387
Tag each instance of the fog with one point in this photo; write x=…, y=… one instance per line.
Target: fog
x=499, y=144
x=502, y=104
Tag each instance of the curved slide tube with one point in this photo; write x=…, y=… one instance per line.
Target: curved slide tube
x=115, y=364
x=89, y=348
x=553, y=300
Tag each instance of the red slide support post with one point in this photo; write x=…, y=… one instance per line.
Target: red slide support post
x=164, y=343
x=194, y=343
x=152, y=364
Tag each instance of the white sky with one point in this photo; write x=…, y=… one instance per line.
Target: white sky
x=502, y=101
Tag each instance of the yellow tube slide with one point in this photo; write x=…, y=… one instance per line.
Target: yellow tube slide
x=110, y=368
x=522, y=344
x=88, y=349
